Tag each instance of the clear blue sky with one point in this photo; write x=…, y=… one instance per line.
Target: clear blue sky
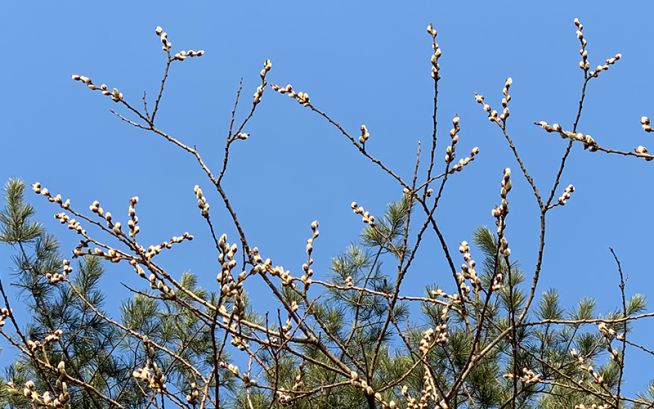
x=363, y=62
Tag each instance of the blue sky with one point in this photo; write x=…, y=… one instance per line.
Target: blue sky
x=362, y=62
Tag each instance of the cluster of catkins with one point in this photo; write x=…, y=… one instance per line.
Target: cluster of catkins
x=587, y=140
x=55, y=400
x=267, y=65
x=433, y=336
x=4, y=314
x=435, y=68
x=563, y=199
x=301, y=97
x=501, y=211
x=608, y=333
x=364, y=135
x=151, y=373
x=425, y=395
x=468, y=271
x=596, y=376
x=306, y=267
x=115, y=94
x=528, y=377
x=365, y=216
x=49, y=339
x=362, y=384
